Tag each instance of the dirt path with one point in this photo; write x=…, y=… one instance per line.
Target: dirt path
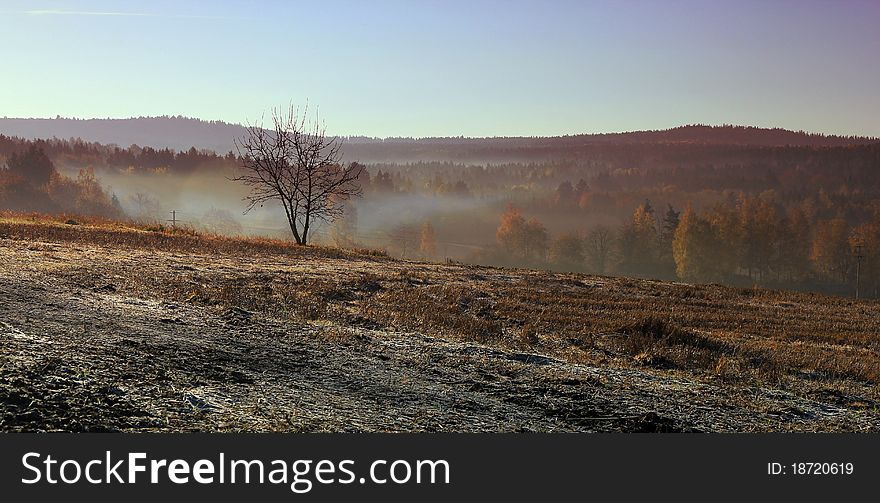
x=94, y=359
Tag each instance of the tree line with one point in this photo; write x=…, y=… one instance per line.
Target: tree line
x=76, y=152
x=745, y=241
x=29, y=181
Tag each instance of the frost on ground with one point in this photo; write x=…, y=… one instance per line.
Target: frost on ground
x=97, y=338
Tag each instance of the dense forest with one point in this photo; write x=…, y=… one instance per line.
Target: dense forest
x=741, y=206
x=181, y=133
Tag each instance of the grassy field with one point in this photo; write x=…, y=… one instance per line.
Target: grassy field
x=736, y=343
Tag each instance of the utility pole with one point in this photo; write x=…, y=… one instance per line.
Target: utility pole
x=859, y=258
x=173, y=218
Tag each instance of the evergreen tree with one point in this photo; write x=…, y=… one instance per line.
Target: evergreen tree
x=33, y=165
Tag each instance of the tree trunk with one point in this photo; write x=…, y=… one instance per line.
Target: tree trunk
x=305, y=233
x=295, y=232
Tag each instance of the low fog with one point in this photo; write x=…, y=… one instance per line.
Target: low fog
x=790, y=217
x=208, y=200
x=204, y=200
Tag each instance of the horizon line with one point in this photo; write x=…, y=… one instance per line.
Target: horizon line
x=560, y=135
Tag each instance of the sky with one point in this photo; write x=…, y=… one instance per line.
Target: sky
x=450, y=68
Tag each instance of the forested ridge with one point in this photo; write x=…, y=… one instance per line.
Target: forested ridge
x=734, y=205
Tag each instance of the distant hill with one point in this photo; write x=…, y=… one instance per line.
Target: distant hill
x=694, y=134
x=181, y=133
x=730, y=135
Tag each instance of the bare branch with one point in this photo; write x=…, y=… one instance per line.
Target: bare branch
x=297, y=164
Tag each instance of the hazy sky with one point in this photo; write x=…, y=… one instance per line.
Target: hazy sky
x=431, y=68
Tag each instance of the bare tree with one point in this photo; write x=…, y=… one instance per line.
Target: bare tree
x=146, y=207
x=404, y=236
x=296, y=163
x=598, y=248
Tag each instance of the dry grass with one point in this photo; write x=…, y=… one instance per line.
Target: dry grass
x=657, y=342
x=103, y=232
x=801, y=341
x=447, y=310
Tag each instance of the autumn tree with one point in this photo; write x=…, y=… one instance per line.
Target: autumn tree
x=567, y=252
x=868, y=238
x=522, y=239
x=91, y=198
x=792, y=247
x=405, y=237
x=831, y=251
x=722, y=241
x=297, y=164
x=694, y=247
x=535, y=241
x=758, y=232
x=598, y=247
x=145, y=206
x=343, y=229
x=84, y=195
x=684, y=247
x=637, y=243
x=428, y=243
x=668, y=226
x=511, y=230
x=63, y=191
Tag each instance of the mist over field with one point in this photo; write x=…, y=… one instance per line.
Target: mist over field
x=736, y=205
x=207, y=199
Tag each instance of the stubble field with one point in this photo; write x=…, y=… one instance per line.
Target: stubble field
x=106, y=327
